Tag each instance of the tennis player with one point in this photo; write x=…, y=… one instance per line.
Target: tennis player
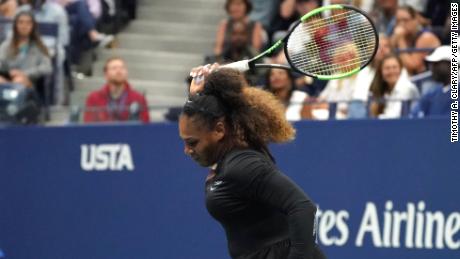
x=227, y=126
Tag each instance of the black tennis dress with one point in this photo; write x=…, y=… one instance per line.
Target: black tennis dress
x=265, y=215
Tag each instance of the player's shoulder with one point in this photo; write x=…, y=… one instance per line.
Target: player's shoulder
x=239, y=155
x=241, y=163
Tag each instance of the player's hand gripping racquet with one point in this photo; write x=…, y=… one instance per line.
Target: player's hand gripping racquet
x=327, y=43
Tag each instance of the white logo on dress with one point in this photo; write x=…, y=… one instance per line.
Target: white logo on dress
x=215, y=184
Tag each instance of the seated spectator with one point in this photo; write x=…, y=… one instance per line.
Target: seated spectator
x=339, y=91
x=239, y=46
x=48, y=12
x=384, y=16
x=114, y=100
x=238, y=10
x=51, y=13
x=409, y=33
x=84, y=35
x=437, y=102
x=357, y=108
x=390, y=87
x=24, y=58
x=289, y=12
x=281, y=83
x=284, y=17
x=263, y=11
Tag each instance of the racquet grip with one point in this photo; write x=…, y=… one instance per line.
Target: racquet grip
x=242, y=65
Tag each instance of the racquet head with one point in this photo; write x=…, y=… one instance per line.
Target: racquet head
x=331, y=42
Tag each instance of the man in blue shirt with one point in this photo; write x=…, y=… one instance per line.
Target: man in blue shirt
x=437, y=101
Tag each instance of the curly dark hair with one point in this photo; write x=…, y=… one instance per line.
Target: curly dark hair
x=254, y=117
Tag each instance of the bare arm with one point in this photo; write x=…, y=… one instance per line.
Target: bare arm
x=257, y=36
x=220, y=37
x=306, y=112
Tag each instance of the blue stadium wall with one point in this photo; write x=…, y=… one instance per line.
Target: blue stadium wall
x=385, y=189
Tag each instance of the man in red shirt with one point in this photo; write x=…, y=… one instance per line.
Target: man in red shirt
x=115, y=99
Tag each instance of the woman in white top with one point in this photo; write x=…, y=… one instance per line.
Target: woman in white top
x=339, y=91
x=351, y=93
x=281, y=83
x=390, y=88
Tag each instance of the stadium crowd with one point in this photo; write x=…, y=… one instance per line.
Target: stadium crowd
x=46, y=43
x=409, y=76
x=403, y=80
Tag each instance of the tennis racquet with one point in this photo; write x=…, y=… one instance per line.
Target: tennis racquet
x=327, y=43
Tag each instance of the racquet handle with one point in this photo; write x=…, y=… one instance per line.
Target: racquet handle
x=242, y=65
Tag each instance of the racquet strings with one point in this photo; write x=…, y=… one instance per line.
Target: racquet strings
x=332, y=45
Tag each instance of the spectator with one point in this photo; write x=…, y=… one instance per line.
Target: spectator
x=281, y=83
x=84, y=35
x=385, y=16
x=113, y=101
x=52, y=13
x=437, y=102
x=239, y=47
x=409, y=33
x=238, y=10
x=263, y=11
x=285, y=16
x=357, y=108
x=290, y=10
x=390, y=87
x=48, y=12
x=339, y=91
x=24, y=58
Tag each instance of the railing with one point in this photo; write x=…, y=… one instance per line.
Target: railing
x=172, y=113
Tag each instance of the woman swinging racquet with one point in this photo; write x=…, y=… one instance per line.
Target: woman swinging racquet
x=226, y=126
